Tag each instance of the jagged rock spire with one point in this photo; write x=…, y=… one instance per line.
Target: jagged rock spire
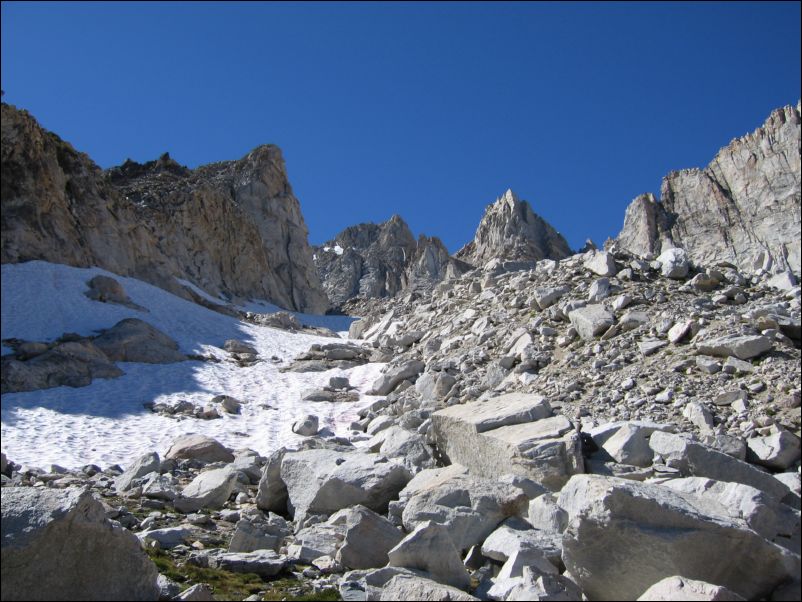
x=510, y=230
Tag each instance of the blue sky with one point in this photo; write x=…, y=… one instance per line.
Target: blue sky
x=428, y=110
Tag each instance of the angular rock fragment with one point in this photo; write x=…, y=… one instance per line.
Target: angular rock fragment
x=591, y=321
x=368, y=538
x=429, y=548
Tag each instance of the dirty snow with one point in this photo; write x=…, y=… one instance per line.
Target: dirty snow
x=105, y=423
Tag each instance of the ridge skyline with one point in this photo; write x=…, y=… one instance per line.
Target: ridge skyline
x=430, y=111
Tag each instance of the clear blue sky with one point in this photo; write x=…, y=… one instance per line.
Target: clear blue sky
x=426, y=110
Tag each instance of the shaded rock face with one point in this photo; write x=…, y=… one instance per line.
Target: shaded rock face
x=744, y=207
x=381, y=260
x=511, y=231
x=58, y=545
x=233, y=227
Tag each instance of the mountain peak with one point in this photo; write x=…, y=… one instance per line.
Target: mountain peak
x=510, y=230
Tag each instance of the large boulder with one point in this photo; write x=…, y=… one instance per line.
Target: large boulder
x=469, y=507
x=517, y=535
x=514, y=433
x=655, y=533
x=210, y=489
x=108, y=290
x=143, y=465
x=674, y=263
x=59, y=545
x=322, y=481
x=764, y=514
x=695, y=459
x=132, y=340
x=430, y=548
x=198, y=447
x=249, y=536
x=591, y=321
x=600, y=263
x=409, y=447
x=319, y=539
x=71, y=364
x=272, y=493
x=368, y=538
x=778, y=451
x=388, y=381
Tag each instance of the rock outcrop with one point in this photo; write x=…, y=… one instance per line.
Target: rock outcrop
x=233, y=228
x=743, y=208
x=381, y=260
x=511, y=231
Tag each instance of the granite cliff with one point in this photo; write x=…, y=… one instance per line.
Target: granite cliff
x=232, y=228
x=743, y=208
x=381, y=260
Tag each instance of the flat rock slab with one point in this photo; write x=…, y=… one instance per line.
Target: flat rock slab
x=513, y=434
x=265, y=563
x=742, y=347
x=481, y=416
x=59, y=545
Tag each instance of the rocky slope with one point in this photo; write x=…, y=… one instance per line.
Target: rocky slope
x=744, y=207
x=595, y=427
x=232, y=228
x=530, y=425
x=511, y=231
x=381, y=260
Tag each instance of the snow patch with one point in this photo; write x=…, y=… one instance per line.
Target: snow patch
x=105, y=423
x=336, y=249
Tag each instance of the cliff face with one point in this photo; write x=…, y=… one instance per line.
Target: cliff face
x=233, y=227
x=381, y=260
x=744, y=207
x=511, y=231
